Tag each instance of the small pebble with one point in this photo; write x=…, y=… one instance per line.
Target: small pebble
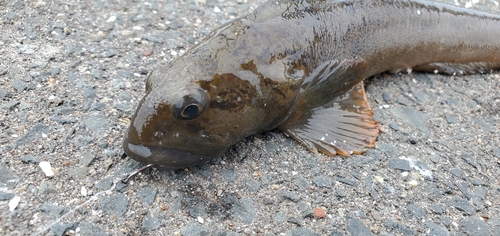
x=379, y=179
x=148, y=52
x=413, y=183
x=413, y=140
x=111, y=19
x=14, y=202
x=127, y=32
x=394, y=126
x=47, y=170
x=319, y=213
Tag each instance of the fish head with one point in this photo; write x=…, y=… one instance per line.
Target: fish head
x=229, y=86
x=184, y=121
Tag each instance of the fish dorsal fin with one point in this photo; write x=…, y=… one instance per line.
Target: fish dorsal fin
x=344, y=126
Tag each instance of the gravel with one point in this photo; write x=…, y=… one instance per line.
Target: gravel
x=72, y=72
x=357, y=227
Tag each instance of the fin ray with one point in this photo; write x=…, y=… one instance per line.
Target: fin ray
x=343, y=126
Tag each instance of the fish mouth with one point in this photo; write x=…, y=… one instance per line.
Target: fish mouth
x=163, y=158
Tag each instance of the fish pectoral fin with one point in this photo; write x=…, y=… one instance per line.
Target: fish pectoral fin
x=344, y=126
x=337, y=76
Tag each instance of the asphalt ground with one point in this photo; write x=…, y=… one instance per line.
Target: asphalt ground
x=72, y=72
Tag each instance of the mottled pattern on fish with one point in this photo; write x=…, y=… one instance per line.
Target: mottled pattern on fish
x=299, y=66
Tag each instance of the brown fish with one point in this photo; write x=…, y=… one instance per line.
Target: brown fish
x=299, y=66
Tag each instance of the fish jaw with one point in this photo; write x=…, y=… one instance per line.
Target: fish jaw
x=163, y=158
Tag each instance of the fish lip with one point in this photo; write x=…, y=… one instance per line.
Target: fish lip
x=163, y=158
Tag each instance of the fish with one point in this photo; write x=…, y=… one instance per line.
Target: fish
x=298, y=66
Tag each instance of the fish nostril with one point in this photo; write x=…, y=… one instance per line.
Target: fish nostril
x=158, y=134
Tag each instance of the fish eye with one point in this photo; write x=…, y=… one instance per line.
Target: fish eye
x=191, y=106
x=190, y=111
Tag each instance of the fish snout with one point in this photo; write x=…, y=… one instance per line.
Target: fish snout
x=163, y=158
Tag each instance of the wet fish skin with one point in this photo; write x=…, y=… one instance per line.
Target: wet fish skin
x=299, y=66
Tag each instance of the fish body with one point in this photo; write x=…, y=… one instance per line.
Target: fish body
x=299, y=66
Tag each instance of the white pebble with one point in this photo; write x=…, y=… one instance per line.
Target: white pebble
x=138, y=28
x=111, y=19
x=83, y=191
x=379, y=179
x=14, y=202
x=201, y=220
x=413, y=183
x=47, y=170
x=127, y=32
x=216, y=9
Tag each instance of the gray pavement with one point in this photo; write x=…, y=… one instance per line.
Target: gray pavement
x=72, y=72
